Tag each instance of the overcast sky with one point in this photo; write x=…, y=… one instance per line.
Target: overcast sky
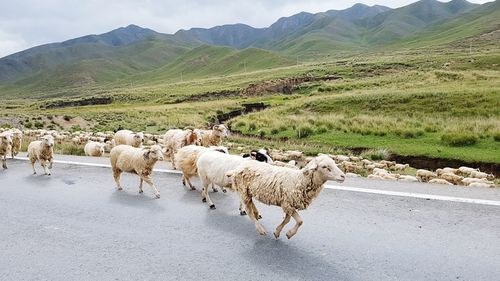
x=27, y=23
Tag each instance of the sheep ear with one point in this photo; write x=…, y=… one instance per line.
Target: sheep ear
x=311, y=168
x=146, y=155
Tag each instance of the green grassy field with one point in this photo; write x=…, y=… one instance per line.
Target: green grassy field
x=421, y=103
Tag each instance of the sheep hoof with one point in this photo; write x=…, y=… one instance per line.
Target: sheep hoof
x=119, y=188
x=289, y=235
x=243, y=213
x=157, y=196
x=193, y=188
x=259, y=217
x=141, y=191
x=215, y=190
x=224, y=190
x=212, y=207
x=276, y=235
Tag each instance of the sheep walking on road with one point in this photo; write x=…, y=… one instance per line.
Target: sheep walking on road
x=287, y=188
x=42, y=150
x=176, y=139
x=17, y=139
x=5, y=146
x=95, y=149
x=139, y=161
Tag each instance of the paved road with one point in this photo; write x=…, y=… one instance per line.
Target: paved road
x=75, y=226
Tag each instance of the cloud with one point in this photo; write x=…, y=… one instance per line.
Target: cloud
x=27, y=23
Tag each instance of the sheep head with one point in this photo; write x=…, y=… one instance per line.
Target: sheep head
x=261, y=155
x=6, y=138
x=139, y=137
x=325, y=168
x=220, y=130
x=193, y=137
x=153, y=153
x=47, y=141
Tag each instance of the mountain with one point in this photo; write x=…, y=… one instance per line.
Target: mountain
x=141, y=53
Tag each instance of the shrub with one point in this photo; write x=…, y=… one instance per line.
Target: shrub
x=304, y=132
x=252, y=127
x=274, y=131
x=39, y=124
x=7, y=126
x=496, y=136
x=28, y=125
x=448, y=76
x=322, y=130
x=376, y=154
x=455, y=139
x=67, y=118
x=261, y=133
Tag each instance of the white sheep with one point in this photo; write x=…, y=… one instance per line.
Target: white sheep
x=408, y=178
x=287, y=188
x=17, y=139
x=5, y=146
x=481, y=184
x=465, y=171
x=128, y=137
x=468, y=181
x=95, y=149
x=175, y=139
x=446, y=170
x=139, y=161
x=455, y=179
x=213, y=137
x=212, y=169
x=481, y=175
x=42, y=150
x=440, y=181
x=186, y=158
x=425, y=175
x=399, y=167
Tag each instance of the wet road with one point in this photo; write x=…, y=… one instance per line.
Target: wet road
x=75, y=226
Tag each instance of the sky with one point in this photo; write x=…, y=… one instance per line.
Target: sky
x=28, y=23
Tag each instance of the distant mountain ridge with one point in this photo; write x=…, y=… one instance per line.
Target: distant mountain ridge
x=131, y=50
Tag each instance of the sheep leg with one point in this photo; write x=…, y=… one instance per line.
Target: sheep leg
x=140, y=186
x=251, y=213
x=33, y=167
x=242, y=211
x=206, y=197
x=214, y=189
x=153, y=186
x=4, y=161
x=298, y=223
x=45, y=167
x=50, y=164
x=280, y=227
x=116, y=174
x=189, y=183
x=172, y=160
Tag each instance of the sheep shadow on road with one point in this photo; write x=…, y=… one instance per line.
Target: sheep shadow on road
x=129, y=198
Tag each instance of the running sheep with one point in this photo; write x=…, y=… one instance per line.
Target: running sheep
x=129, y=138
x=139, y=161
x=43, y=151
x=5, y=146
x=287, y=188
x=95, y=149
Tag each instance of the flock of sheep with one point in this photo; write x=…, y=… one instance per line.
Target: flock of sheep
x=273, y=178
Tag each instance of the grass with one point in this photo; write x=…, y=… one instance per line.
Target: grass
x=407, y=103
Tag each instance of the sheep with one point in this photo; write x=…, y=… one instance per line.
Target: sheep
x=408, y=178
x=425, y=175
x=291, y=164
x=42, y=150
x=465, y=171
x=95, y=149
x=481, y=175
x=175, y=139
x=287, y=188
x=389, y=164
x=452, y=178
x=185, y=161
x=468, y=181
x=261, y=155
x=399, y=167
x=212, y=168
x=439, y=172
x=129, y=138
x=352, y=175
x=372, y=176
x=139, y=161
x=17, y=138
x=440, y=181
x=481, y=184
x=5, y=146
x=213, y=137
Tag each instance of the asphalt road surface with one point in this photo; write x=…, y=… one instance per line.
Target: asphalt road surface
x=74, y=225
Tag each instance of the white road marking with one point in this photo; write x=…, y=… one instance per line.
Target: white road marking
x=416, y=195
x=328, y=186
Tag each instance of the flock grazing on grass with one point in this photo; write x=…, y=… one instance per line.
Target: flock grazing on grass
x=287, y=179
